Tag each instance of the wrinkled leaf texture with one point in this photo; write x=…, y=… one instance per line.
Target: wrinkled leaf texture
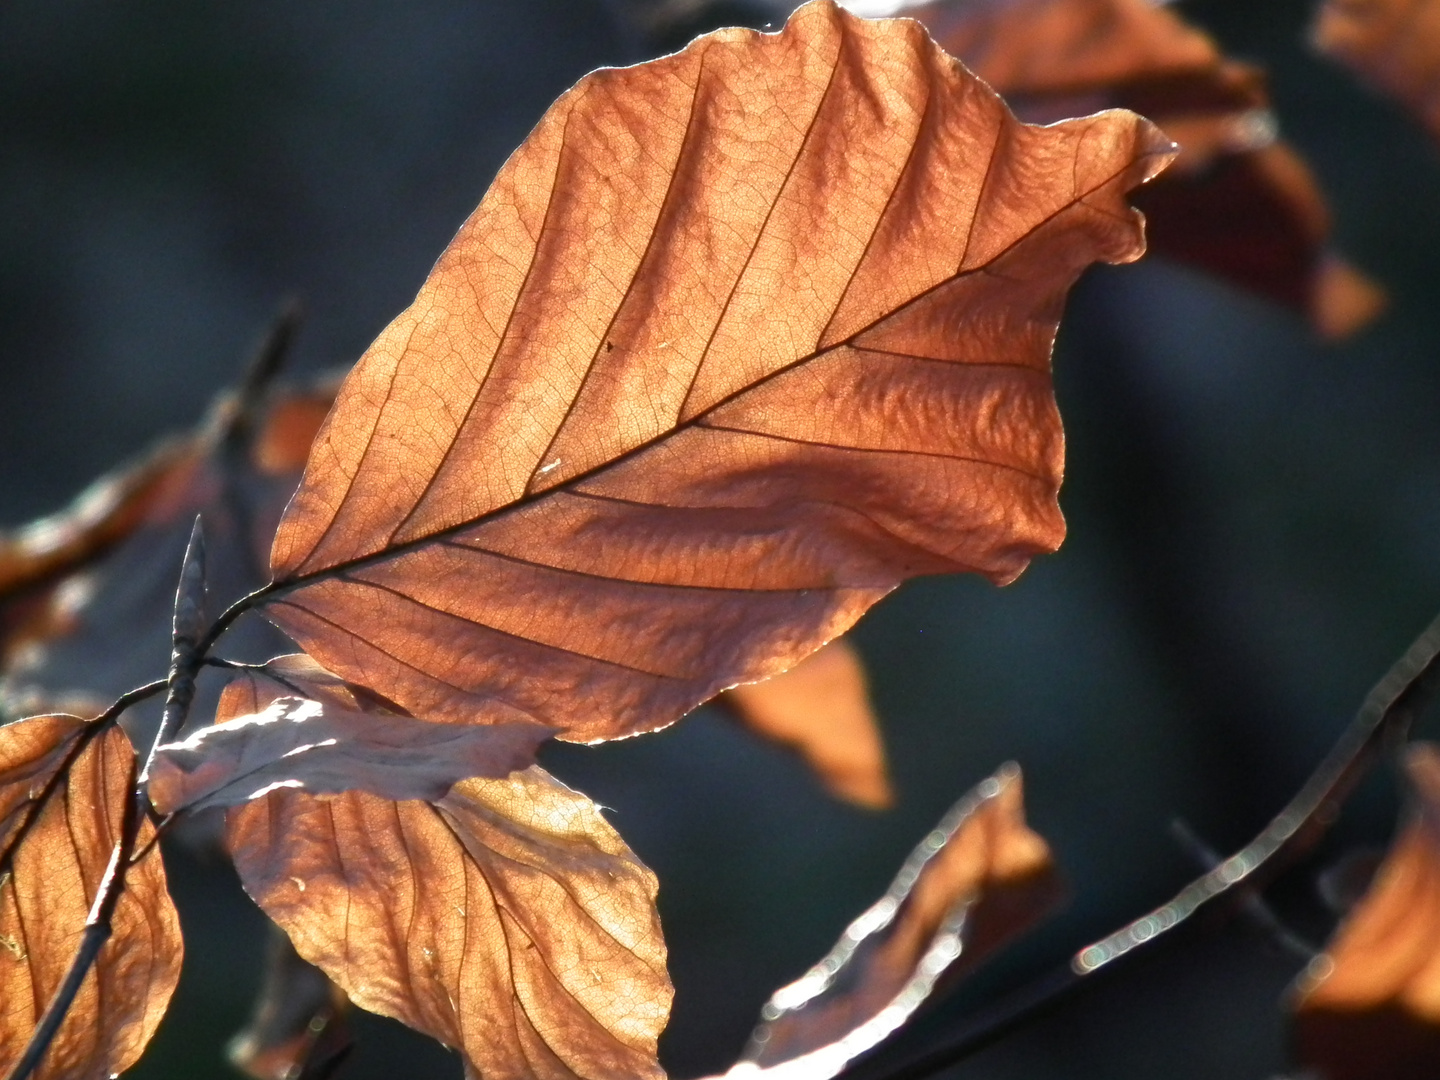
x=738, y=340
x=1393, y=44
x=55, y=855
x=1369, y=1007
x=507, y=919
x=1238, y=203
x=821, y=709
x=979, y=879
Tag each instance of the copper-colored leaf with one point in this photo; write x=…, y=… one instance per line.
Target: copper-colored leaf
x=58, y=852
x=738, y=340
x=980, y=878
x=1395, y=44
x=821, y=709
x=86, y=594
x=1369, y=1007
x=1237, y=203
x=507, y=919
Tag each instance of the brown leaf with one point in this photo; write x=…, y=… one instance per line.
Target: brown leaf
x=738, y=340
x=86, y=594
x=309, y=745
x=978, y=880
x=56, y=856
x=821, y=709
x=1369, y=1007
x=1394, y=44
x=1237, y=203
x=507, y=919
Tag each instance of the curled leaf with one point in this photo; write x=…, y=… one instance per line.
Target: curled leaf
x=506, y=919
x=1238, y=203
x=1393, y=44
x=1369, y=1007
x=738, y=340
x=56, y=851
x=307, y=745
x=821, y=709
x=979, y=879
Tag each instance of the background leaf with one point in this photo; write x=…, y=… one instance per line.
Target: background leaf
x=1392, y=44
x=738, y=340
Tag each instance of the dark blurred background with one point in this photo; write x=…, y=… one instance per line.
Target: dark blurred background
x=1254, y=516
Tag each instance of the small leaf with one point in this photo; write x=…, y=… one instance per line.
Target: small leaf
x=738, y=340
x=310, y=746
x=1393, y=44
x=821, y=709
x=1369, y=1007
x=977, y=881
x=507, y=919
x=56, y=855
x=1237, y=203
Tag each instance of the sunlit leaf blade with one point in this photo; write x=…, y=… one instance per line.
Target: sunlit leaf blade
x=1237, y=203
x=308, y=745
x=298, y=1030
x=820, y=708
x=738, y=340
x=1393, y=44
x=56, y=852
x=507, y=919
x=978, y=880
x=1369, y=1007
x=86, y=594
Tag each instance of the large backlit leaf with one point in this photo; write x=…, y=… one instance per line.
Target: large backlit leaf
x=55, y=853
x=1369, y=1007
x=86, y=594
x=820, y=708
x=1394, y=44
x=507, y=919
x=1237, y=203
x=979, y=879
x=738, y=340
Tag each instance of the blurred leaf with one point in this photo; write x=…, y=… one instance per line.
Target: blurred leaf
x=1369, y=1007
x=978, y=880
x=1393, y=44
x=1237, y=203
x=86, y=594
x=821, y=709
x=737, y=341
x=55, y=853
x=298, y=1030
x=507, y=919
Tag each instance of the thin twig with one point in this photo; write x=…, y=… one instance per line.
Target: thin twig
x=1388, y=710
x=184, y=663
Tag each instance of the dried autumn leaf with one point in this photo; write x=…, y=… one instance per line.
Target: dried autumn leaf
x=821, y=709
x=738, y=340
x=313, y=746
x=55, y=854
x=1237, y=203
x=1393, y=44
x=86, y=594
x=978, y=880
x=507, y=919
x=1369, y=1007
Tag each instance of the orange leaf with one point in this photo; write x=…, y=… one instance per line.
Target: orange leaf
x=1237, y=204
x=1369, y=1007
x=56, y=856
x=738, y=340
x=1394, y=44
x=821, y=709
x=978, y=880
x=86, y=594
x=507, y=919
